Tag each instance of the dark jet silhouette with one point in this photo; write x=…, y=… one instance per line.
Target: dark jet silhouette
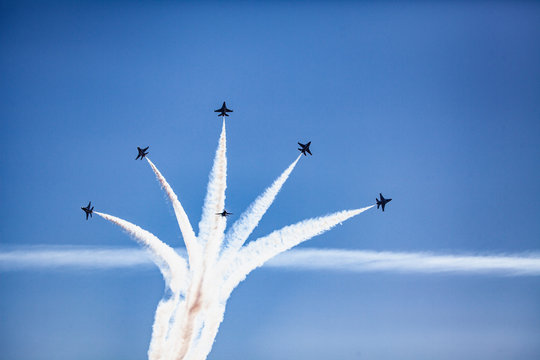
x=223, y=111
x=305, y=148
x=88, y=210
x=224, y=213
x=382, y=201
x=142, y=152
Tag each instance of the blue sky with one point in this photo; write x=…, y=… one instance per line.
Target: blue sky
x=433, y=104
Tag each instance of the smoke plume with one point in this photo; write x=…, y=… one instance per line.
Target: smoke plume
x=188, y=318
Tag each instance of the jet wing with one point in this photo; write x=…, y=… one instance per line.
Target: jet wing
x=309, y=152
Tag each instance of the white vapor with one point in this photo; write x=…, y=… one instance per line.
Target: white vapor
x=215, y=197
x=362, y=261
x=172, y=266
x=174, y=270
x=188, y=234
x=249, y=220
x=258, y=252
x=76, y=258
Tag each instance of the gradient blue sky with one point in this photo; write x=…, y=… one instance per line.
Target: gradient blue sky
x=436, y=104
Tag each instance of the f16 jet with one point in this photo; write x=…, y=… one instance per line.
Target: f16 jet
x=382, y=201
x=305, y=148
x=223, y=111
x=224, y=213
x=88, y=210
x=142, y=152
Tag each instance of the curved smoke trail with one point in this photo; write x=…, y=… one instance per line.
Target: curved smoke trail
x=160, y=330
x=256, y=253
x=248, y=221
x=174, y=269
x=172, y=266
x=208, y=333
x=188, y=234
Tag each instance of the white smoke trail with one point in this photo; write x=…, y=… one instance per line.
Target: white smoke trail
x=193, y=248
x=172, y=266
x=256, y=253
x=211, y=233
x=188, y=320
x=249, y=220
x=160, y=330
x=211, y=226
x=214, y=317
x=174, y=270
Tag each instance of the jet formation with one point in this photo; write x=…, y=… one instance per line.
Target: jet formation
x=304, y=149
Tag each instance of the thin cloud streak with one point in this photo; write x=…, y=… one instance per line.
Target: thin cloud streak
x=91, y=258
x=404, y=262
x=44, y=257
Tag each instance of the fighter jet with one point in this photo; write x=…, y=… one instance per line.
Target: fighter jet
x=142, y=152
x=223, y=111
x=88, y=210
x=305, y=148
x=382, y=201
x=224, y=213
